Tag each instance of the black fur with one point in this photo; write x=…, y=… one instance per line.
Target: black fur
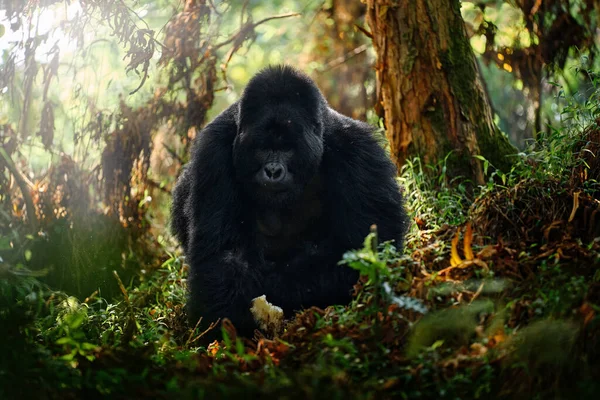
x=244, y=238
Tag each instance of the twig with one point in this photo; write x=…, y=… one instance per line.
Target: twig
x=157, y=185
x=173, y=153
x=123, y=290
x=249, y=26
x=91, y=296
x=189, y=340
x=244, y=7
x=31, y=217
x=375, y=240
x=212, y=326
x=280, y=16
x=342, y=59
x=477, y=293
x=212, y=5
x=464, y=264
x=363, y=30
x=131, y=326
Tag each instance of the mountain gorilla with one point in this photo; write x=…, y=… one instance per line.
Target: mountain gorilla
x=279, y=186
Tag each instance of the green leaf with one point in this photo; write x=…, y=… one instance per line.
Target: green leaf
x=70, y=356
x=88, y=346
x=64, y=340
x=226, y=338
x=75, y=320
x=239, y=345
x=437, y=344
x=5, y=243
x=2, y=30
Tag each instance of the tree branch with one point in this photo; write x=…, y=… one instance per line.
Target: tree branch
x=31, y=218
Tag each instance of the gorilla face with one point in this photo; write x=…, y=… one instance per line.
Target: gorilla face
x=279, y=143
x=277, y=154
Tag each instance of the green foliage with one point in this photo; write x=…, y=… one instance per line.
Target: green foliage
x=444, y=200
x=546, y=344
x=374, y=262
x=448, y=327
x=366, y=260
x=518, y=52
x=579, y=113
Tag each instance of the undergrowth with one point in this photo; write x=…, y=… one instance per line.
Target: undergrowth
x=496, y=294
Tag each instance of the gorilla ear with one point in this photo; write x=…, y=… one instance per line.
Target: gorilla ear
x=214, y=210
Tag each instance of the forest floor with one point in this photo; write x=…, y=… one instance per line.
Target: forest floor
x=496, y=295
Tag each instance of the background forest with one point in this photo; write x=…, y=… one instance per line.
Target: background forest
x=496, y=293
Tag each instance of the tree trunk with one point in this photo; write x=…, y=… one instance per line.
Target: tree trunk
x=429, y=86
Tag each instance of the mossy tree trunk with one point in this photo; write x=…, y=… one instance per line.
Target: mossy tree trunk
x=429, y=86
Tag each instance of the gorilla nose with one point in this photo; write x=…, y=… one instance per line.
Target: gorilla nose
x=274, y=172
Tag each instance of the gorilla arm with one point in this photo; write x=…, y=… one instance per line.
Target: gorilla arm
x=213, y=205
x=221, y=281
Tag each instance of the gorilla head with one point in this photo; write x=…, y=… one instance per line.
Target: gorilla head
x=279, y=143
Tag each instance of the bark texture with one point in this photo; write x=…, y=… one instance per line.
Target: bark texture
x=429, y=88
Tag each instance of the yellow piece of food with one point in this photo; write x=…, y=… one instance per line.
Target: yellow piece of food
x=268, y=316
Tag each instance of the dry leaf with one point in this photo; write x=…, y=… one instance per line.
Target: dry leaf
x=454, y=257
x=467, y=242
x=575, y=205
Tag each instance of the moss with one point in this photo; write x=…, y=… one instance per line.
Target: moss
x=496, y=148
x=409, y=61
x=455, y=163
x=436, y=115
x=434, y=23
x=458, y=63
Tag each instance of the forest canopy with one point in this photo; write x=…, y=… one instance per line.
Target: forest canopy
x=489, y=109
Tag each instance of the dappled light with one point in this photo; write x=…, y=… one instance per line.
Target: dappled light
x=410, y=209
